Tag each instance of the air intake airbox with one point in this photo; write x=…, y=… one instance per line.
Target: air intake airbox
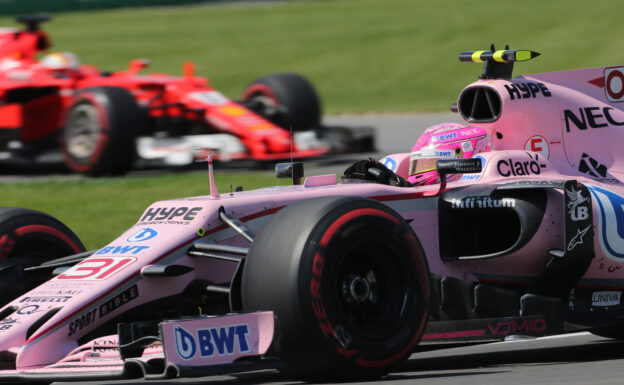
x=479, y=221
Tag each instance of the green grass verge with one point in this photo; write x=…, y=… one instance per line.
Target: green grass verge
x=99, y=210
x=363, y=55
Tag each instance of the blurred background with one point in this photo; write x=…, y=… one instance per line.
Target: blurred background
x=365, y=57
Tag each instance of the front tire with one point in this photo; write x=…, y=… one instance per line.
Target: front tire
x=348, y=282
x=100, y=131
x=28, y=238
x=287, y=99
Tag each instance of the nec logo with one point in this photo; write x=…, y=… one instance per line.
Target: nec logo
x=594, y=117
x=220, y=340
x=527, y=90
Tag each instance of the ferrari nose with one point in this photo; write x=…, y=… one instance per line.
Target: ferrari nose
x=278, y=143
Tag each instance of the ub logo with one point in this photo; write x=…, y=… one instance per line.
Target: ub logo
x=576, y=210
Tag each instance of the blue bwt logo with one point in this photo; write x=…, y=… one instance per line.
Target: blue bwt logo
x=142, y=235
x=390, y=163
x=185, y=343
x=208, y=342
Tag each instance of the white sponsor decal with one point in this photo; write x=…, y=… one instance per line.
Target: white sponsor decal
x=606, y=298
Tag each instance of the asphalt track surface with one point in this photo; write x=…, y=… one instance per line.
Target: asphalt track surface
x=576, y=359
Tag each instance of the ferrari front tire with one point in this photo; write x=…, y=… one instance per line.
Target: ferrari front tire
x=100, y=131
x=348, y=282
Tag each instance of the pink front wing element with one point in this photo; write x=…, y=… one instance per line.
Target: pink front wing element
x=320, y=180
x=217, y=340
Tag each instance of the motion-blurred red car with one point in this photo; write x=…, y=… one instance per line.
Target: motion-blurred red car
x=102, y=121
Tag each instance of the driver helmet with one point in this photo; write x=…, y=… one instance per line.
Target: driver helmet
x=444, y=141
x=61, y=61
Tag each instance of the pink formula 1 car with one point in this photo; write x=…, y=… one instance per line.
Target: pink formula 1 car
x=102, y=121
x=330, y=280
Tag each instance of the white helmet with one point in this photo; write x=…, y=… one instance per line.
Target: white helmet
x=61, y=61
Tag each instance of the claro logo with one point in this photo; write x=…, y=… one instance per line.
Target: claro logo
x=511, y=167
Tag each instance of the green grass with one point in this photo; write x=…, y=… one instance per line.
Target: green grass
x=98, y=210
x=363, y=55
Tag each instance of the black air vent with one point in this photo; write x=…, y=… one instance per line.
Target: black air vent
x=479, y=104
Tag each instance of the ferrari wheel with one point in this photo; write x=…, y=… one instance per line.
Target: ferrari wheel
x=289, y=100
x=28, y=238
x=100, y=130
x=348, y=282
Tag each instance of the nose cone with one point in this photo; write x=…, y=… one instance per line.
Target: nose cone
x=278, y=143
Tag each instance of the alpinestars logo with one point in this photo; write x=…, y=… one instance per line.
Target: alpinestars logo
x=578, y=238
x=591, y=166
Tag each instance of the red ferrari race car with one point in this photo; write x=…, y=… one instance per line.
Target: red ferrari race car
x=102, y=121
x=461, y=240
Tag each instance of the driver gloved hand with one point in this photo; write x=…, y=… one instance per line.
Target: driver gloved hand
x=374, y=171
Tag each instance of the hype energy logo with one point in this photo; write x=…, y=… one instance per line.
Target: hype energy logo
x=142, y=235
x=219, y=341
x=610, y=222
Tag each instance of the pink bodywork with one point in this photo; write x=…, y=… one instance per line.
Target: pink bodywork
x=538, y=129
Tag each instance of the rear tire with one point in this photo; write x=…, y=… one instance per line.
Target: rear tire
x=291, y=93
x=28, y=238
x=100, y=131
x=348, y=282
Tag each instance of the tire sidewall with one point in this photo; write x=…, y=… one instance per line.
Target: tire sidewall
x=334, y=235
x=280, y=272
x=102, y=107
x=120, y=122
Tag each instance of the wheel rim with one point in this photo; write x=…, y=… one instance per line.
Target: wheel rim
x=373, y=290
x=82, y=131
x=266, y=105
x=265, y=100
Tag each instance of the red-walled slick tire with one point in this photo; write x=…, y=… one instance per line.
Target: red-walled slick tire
x=349, y=284
x=100, y=131
x=292, y=94
x=28, y=238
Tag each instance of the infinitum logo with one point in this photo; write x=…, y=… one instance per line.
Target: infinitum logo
x=482, y=203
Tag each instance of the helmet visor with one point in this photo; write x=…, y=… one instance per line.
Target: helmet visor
x=418, y=166
x=425, y=160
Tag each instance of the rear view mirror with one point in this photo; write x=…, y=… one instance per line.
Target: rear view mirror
x=458, y=166
x=292, y=170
